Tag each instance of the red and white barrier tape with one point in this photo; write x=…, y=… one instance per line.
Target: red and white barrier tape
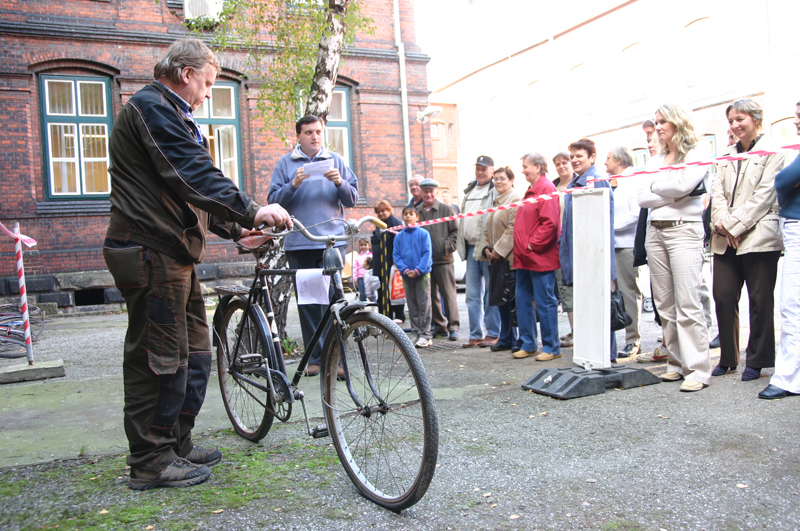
x=28, y=241
x=553, y=195
x=19, y=239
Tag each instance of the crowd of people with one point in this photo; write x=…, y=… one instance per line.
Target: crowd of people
x=520, y=264
x=167, y=194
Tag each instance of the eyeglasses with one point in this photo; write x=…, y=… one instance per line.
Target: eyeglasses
x=500, y=179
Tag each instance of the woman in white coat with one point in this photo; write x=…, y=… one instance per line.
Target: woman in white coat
x=746, y=242
x=674, y=246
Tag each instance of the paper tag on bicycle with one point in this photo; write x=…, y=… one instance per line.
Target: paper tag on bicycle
x=316, y=171
x=312, y=286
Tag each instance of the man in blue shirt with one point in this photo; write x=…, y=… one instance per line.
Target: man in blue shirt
x=312, y=200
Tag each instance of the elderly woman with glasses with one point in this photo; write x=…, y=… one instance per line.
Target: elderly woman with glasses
x=746, y=242
x=498, y=248
x=675, y=247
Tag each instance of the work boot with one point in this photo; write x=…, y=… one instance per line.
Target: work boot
x=202, y=456
x=179, y=473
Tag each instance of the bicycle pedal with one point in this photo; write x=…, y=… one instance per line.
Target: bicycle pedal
x=320, y=431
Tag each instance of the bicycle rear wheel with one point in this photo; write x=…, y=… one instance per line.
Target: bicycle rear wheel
x=243, y=371
x=10, y=347
x=389, y=446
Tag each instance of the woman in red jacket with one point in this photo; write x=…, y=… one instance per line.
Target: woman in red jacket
x=536, y=258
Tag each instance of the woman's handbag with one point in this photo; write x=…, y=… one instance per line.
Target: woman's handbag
x=502, y=283
x=619, y=317
x=639, y=252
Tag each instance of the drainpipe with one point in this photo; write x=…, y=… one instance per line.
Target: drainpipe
x=401, y=57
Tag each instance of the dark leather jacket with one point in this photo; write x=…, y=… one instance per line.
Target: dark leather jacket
x=165, y=184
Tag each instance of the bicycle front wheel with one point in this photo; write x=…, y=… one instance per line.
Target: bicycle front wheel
x=243, y=371
x=388, y=445
x=17, y=324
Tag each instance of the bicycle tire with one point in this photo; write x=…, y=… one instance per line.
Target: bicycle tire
x=390, y=454
x=16, y=323
x=248, y=407
x=14, y=309
x=12, y=348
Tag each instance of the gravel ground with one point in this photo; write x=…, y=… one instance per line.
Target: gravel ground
x=650, y=458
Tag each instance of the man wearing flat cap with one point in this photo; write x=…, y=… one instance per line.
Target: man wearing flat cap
x=484, y=320
x=443, y=245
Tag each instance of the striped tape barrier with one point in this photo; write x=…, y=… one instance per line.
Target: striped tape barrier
x=554, y=195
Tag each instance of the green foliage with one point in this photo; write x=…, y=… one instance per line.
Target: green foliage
x=290, y=347
x=281, y=38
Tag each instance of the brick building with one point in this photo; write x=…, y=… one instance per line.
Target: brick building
x=70, y=65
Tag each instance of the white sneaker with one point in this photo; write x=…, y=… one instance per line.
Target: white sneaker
x=422, y=343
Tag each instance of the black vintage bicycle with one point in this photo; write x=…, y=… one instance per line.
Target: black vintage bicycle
x=378, y=405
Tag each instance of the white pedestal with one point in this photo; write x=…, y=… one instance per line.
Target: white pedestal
x=591, y=275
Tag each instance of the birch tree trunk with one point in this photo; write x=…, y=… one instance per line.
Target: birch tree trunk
x=328, y=58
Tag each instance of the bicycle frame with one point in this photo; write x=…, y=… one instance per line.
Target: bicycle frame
x=337, y=310
x=383, y=423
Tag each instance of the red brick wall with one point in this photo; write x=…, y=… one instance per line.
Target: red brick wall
x=123, y=40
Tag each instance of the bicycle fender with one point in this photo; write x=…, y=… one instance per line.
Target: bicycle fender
x=354, y=307
x=216, y=321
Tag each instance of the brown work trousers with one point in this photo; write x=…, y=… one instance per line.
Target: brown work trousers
x=167, y=355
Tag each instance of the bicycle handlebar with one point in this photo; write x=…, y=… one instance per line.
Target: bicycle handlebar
x=351, y=228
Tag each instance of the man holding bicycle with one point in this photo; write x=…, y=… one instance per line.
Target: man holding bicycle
x=166, y=193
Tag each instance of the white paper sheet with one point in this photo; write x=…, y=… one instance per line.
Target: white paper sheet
x=316, y=171
x=312, y=286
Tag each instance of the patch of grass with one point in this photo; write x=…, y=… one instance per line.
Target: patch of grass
x=12, y=487
x=72, y=495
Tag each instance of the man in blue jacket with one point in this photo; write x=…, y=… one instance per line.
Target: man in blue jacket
x=786, y=380
x=312, y=200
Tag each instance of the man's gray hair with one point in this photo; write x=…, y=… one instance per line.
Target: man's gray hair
x=622, y=156
x=535, y=159
x=189, y=52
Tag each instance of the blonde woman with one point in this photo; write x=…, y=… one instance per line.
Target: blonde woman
x=675, y=248
x=746, y=242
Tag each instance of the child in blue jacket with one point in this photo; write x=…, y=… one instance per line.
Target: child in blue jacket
x=412, y=257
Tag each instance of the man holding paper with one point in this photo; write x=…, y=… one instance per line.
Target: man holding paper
x=314, y=185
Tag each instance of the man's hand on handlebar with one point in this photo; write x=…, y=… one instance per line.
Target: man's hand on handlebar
x=273, y=216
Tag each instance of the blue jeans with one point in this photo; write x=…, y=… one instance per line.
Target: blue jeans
x=536, y=286
x=477, y=287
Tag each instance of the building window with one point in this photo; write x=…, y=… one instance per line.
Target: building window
x=434, y=130
x=784, y=133
x=337, y=130
x=193, y=9
x=711, y=144
x=219, y=120
x=640, y=158
x=76, y=121
x=450, y=130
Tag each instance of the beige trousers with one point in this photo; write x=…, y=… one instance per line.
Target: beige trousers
x=675, y=257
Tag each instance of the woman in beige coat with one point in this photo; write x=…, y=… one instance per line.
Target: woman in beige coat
x=498, y=247
x=746, y=243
